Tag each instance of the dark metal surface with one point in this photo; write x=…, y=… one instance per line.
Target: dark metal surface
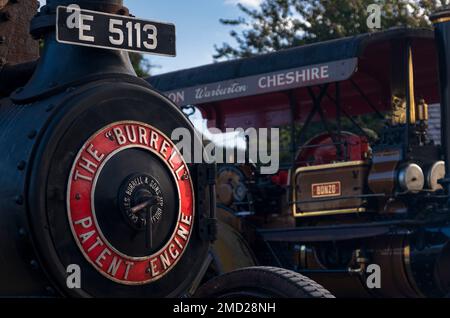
x=103, y=104
x=75, y=92
x=33, y=180
x=113, y=182
x=14, y=76
x=20, y=270
x=336, y=232
x=63, y=66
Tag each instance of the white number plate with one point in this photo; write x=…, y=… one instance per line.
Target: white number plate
x=90, y=28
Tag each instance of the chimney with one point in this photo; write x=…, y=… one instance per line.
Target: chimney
x=61, y=65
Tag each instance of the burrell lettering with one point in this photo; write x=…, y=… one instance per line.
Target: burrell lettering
x=127, y=270
x=173, y=251
x=85, y=223
x=94, y=153
x=98, y=242
x=79, y=176
x=102, y=257
x=135, y=134
x=86, y=236
x=114, y=266
x=182, y=232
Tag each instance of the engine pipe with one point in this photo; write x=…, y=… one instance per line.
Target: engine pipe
x=62, y=66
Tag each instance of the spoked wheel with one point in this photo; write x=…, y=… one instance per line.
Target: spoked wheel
x=262, y=282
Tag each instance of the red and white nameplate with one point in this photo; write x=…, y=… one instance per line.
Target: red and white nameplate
x=100, y=148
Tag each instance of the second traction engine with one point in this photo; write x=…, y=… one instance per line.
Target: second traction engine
x=325, y=186
x=373, y=178
x=383, y=200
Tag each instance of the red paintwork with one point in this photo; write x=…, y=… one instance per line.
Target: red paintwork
x=281, y=178
x=372, y=76
x=321, y=150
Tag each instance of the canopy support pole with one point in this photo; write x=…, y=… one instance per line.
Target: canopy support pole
x=293, y=104
x=316, y=105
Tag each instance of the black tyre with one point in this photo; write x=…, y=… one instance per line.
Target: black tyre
x=262, y=282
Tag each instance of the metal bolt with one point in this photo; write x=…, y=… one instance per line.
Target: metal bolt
x=32, y=134
x=50, y=290
x=49, y=107
x=34, y=264
x=21, y=165
x=19, y=200
x=77, y=197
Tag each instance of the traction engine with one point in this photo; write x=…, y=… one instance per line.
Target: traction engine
x=393, y=193
x=91, y=183
x=363, y=202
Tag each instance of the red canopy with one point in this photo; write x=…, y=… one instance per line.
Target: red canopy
x=366, y=60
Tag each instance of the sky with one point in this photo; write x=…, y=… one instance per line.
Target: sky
x=198, y=29
x=197, y=24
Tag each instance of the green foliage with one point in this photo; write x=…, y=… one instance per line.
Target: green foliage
x=280, y=24
x=141, y=65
